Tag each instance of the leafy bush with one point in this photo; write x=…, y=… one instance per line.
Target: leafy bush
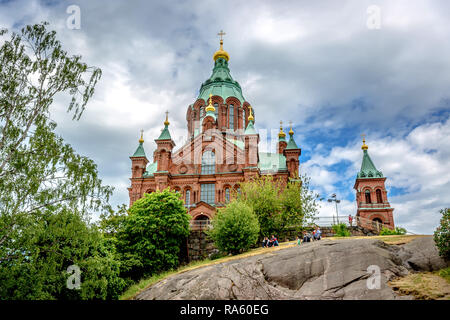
x=151, y=235
x=45, y=247
x=388, y=232
x=341, y=230
x=442, y=235
x=235, y=228
x=279, y=207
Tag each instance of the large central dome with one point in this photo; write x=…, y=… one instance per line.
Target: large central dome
x=221, y=83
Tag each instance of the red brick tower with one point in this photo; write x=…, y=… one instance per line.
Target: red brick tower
x=371, y=194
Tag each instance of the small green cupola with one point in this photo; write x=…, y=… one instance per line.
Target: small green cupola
x=221, y=83
x=140, y=149
x=210, y=109
x=250, y=126
x=368, y=169
x=291, y=144
x=165, y=134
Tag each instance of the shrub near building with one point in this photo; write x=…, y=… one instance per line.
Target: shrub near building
x=235, y=228
x=151, y=236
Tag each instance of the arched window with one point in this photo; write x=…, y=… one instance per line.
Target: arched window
x=208, y=192
x=227, y=195
x=231, y=117
x=208, y=162
x=216, y=106
x=187, y=199
x=368, y=200
x=379, y=198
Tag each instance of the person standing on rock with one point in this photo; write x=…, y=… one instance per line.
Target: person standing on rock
x=350, y=219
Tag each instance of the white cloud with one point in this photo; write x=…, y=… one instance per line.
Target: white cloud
x=419, y=163
x=315, y=63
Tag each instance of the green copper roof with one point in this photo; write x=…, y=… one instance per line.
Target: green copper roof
x=291, y=144
x=250, y=128
x=165, y=134
x=139, y=151
x=151, y=169
x=281, y=139
x=221, y=83
x=271, y=162
x=368, y=169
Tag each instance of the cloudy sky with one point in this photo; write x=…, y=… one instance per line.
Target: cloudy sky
x=328, y=66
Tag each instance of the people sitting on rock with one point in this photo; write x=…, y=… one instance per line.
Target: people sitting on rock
x=306, y=237
x=273, y=242
x=265, y=243
x=317, y=234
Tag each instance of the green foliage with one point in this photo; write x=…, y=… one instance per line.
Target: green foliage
x=235, y=228
x=43, y=247
x=442, y=234
x=277, y=206
x=111, y=222
x=397, y=231
x=47, y=190
x=152, y=234
x=341, y=230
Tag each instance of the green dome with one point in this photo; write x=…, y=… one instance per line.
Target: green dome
x=221, y=83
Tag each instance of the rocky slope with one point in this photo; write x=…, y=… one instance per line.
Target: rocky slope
x=326, y=269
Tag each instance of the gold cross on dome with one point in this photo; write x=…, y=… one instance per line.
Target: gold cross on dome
x=364, y=137
x=221, y=33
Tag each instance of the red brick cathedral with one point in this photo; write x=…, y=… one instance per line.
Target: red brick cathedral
x=222, y=149
x=371, y=194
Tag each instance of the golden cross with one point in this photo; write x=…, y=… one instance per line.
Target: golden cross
x=281, y=124
x=221, y=33
x=166, y=123
x=364, y=137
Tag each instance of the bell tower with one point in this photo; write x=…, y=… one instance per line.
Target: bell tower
x=371, y=195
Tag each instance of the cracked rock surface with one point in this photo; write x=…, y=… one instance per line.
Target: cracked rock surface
x=326, y=269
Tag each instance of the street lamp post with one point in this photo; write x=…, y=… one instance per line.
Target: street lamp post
x=336, y=201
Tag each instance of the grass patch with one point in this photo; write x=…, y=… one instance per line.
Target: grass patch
x=425, y=285
x=445, y=273
x=395, y=239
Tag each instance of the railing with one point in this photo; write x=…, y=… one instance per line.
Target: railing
x=200, y=224
x=329, y=221
x=326, y=221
